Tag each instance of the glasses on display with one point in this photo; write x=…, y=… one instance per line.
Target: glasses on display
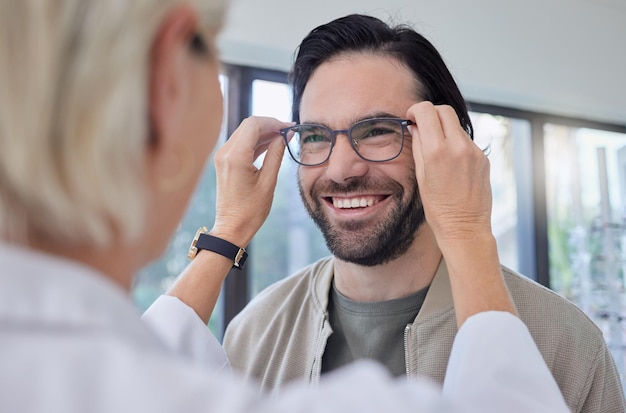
x=374, y=140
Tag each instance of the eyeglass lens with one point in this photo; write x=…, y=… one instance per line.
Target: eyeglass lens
x=373, y=139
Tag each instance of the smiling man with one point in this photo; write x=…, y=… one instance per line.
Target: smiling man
x=360, y=88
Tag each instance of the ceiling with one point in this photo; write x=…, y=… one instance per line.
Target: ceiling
x=563, y=57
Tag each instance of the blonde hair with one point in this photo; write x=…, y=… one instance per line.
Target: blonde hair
x=74, y=78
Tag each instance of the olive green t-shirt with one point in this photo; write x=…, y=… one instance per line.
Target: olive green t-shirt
x=369, y=330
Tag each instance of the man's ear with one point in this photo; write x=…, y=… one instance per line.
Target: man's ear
x=168, y=86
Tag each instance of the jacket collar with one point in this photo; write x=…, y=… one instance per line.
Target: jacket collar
x=438, y=298
x=323, y=281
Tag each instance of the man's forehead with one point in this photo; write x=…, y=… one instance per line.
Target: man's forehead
x=343, y=91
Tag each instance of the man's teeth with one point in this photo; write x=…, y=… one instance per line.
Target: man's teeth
x=353, y=202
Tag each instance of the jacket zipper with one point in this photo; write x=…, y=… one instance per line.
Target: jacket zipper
x=407, y=331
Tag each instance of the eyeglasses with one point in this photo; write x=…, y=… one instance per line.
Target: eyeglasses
x=374, y=140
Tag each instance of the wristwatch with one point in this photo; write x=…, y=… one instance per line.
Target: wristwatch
x=203, y=241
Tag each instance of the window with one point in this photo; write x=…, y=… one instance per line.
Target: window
x=586, y=205
x=504, y=139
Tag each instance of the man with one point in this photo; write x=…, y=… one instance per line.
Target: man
x=386, y=293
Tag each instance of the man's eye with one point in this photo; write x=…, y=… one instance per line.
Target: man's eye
x=378, y=132
x=313, y=138
x=371, y=133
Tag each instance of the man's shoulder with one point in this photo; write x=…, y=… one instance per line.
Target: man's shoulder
x=536, y=302
x=556, y=323
x=571, y=344
x=295, y=285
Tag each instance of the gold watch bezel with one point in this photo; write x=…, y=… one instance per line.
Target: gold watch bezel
x=193, y=250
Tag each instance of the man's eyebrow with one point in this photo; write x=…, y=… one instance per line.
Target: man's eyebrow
x=357, y=119
x=377, y=115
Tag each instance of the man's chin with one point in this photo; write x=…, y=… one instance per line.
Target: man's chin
x=354, y=247
x=364, y=261
x=352, y=227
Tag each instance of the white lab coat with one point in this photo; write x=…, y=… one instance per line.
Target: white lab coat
x=71, y=341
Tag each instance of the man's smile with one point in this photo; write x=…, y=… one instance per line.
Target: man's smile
x=359, y=201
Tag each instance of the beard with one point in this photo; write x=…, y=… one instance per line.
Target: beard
x=367, y=243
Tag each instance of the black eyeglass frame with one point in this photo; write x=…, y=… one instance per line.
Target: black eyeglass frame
x=334, y=132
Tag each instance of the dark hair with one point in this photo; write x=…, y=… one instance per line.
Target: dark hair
x=360, y=33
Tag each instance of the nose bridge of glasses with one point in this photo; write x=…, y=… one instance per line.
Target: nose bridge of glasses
x=348, y=133
x=336, y=132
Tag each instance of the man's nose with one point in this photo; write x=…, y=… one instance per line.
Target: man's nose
x=344, y=163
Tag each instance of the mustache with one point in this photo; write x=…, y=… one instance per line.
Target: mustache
x=356, y=184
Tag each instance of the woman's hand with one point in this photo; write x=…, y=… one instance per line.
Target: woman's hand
x=452, y=174
x=244, y=198
x=453, y=178
x=245, y=192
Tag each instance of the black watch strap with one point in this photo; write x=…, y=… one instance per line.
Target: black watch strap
x=223, y=247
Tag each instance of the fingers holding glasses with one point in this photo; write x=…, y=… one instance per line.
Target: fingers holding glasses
x=254, y=136
x=452, y=173
x=432, y=148
x=245, y=192
x=441, y=125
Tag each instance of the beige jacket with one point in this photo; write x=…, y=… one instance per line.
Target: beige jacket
x=281, y=336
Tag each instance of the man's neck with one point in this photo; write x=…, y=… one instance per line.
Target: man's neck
x=411, y=272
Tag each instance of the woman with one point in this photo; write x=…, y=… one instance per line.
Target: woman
x=108, y=113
